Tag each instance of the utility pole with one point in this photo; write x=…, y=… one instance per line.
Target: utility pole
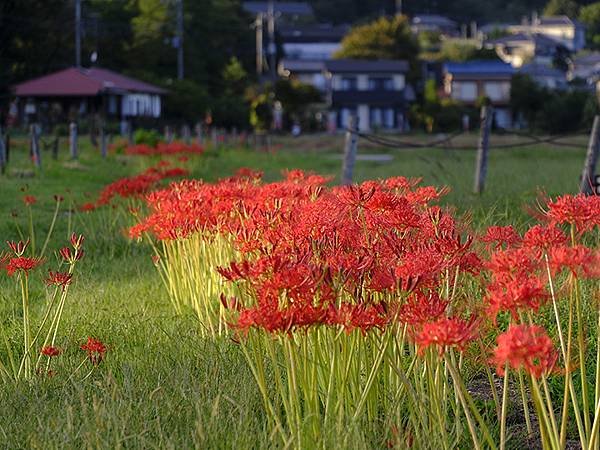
x=78, y=33
x=271, y=28
x=399, y=7
x=259, y=43
x=180, y=39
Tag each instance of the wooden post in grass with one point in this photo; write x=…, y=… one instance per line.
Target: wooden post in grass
x=55, y=145
x=350, y=148
x=73, y=140
x=483, y=148
x=3, y=160
x=186, y=134
x=103, y=141
x=586, y=185
x=34, y=136
x=198, y=131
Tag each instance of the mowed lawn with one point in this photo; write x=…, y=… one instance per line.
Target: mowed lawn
x=161, y=385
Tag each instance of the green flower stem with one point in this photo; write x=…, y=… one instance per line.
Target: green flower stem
x=51, y=229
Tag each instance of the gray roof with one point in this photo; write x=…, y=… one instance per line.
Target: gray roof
x=590, y=58
x=291, y=8
x=366, y=65
x=432, y=19
x=313, y=33
x=542, y=70
x=302, y=65
x=558, y=21
x=536, y=38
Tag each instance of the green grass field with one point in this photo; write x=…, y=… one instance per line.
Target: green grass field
x=161, y=385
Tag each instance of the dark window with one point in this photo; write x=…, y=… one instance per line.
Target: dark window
x=381, y=84
x=349, y=83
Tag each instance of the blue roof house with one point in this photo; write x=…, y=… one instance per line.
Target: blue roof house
x=469, y=81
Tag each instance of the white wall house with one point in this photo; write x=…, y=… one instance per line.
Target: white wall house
x=470, y=81
x=373, y=91
x=566, y=31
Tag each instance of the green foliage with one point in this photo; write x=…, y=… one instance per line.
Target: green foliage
x=461, y=50
x=296, y=98
x=384, y=38
x=548, y=110
x=187, y=100
x=590, y=16
x=559, y=7
x=261, y=112
x=148, y=137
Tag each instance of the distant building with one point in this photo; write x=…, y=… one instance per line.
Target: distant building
x=545, y=76
x=434, y=23
x=312, y=42
x=522, y=48
x=79, y=91
x=469, y=81
x=304, y=70
x=585, y=67
x=375, y=91
x=566, y=31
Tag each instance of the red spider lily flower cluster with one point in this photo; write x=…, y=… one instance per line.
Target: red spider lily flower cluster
x=447, y=332
x=134, y=186
x=61, y=279
x=581, y=211
x=22, y=264
x=313, y=255
x=527, y=347
x=29, y=200
x=163, y=149
x=95, y=350
x=50, y=351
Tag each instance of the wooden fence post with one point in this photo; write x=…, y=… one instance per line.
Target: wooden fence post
x=34, y=135
x=198, y=130
x=130, y=138
x=168, y=134
x=73, y=140
x=586, y=185
x=483, y=148
x=186, y=134
x=103, y=141
x=55, y=145
x=350, y=148
x=3, y=161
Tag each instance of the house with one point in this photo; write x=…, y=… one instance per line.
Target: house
x=374, y=91
x=77, y=91
x=435, y=24
x=585, y=67
x=470, y=81
x=313, y=42
x=307, y=71
x=521, y=48
x=545, y=76
x=568, y=32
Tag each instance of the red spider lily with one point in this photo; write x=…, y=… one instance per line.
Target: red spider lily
x=447, y=332
x=164, y=149
x=501, y=236
x=58, y=198
x=22, y=264
x=516, y=295
x=50, y=351
x=542, y=238
x=87, y=207
x=95, y=350
x=421, y=308
x=581, y=211
x=29, y=200
x=61, y=279
x=525, y=346
x=69, y=256
x=18, y=248
x=77, y=240
x=579, y=260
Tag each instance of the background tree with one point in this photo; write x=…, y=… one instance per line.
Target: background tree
x=559, y=7
x=590, y=16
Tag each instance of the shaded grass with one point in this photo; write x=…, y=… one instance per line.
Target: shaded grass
x=161, y=386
